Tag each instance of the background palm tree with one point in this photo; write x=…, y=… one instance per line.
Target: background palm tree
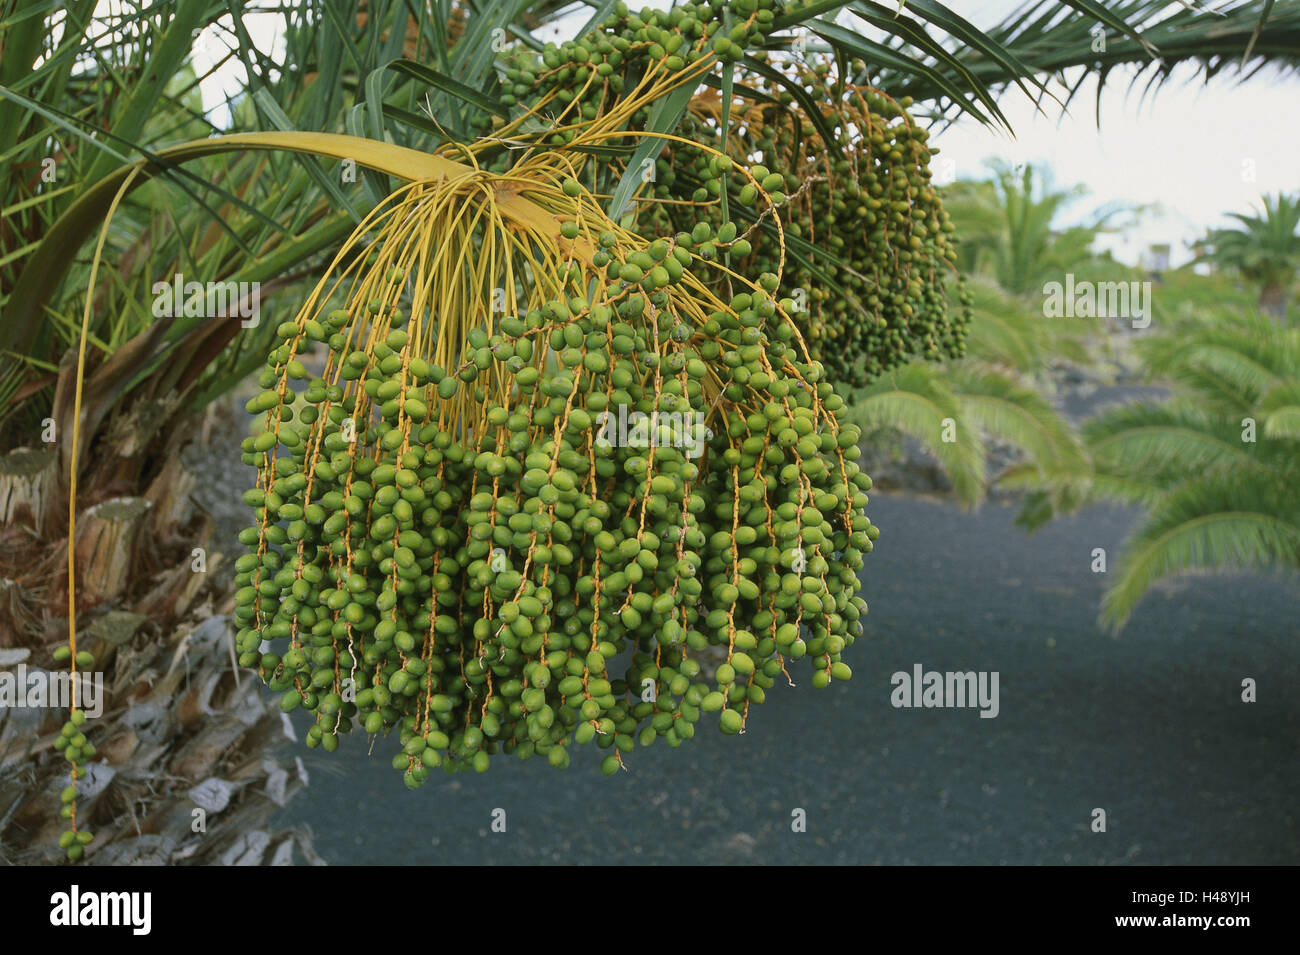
x=1006, y=225
x=1265, y=250
x=999, y=393
x=1213, y=466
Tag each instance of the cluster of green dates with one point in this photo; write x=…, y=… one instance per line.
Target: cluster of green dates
x=868, y=245
x=633, y=483
x=76, y=749
x=586, y=75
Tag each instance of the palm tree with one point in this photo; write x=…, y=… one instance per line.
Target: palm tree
x=181, y=731
x=1006, y=227
x=1265, y=250
x=1214, y=466
x=92, y=92
x=998, y=392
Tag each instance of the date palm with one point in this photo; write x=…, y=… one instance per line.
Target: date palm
x=997, y=393
x=1264, y=250
x=102, y=89
x=1007, y=227
x=1213, y=466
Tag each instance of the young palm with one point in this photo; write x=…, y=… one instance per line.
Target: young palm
x=995, y=393
x=1214, y=465
x=1265, y=250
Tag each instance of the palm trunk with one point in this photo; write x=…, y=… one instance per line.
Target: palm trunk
x=185, y=768
x=28, y=480
x=1273, y=300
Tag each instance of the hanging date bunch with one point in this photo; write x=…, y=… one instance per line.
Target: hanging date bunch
x=457, y=531
x=844, y=166
x=848, y=172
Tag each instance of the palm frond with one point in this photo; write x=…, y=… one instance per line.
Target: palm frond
x=1238, y=523
x=1137, y=38
x=1048, y=493
x=915, y=400
x=1003, y=408
x=1164, y=442
x=1283, y=423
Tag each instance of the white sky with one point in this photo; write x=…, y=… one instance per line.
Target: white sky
x=1192, y=152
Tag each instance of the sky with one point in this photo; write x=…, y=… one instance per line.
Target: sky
x=1192, y=151
x=1189, y=154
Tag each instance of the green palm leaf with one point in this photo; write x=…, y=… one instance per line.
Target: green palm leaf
x=915, y=400
x=1283, y=423
x=1003, y=408
x=1049, y=37
x=1210, y=524
x=1163, y=438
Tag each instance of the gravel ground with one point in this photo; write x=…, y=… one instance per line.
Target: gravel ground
x=1148, y=726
